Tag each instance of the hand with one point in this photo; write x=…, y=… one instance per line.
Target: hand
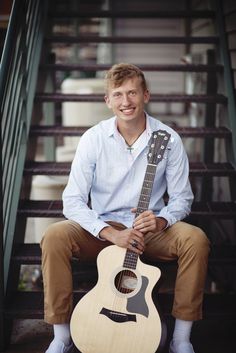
x=148, y=222
x=124, y=238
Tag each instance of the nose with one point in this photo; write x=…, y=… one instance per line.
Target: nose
x=125, y=100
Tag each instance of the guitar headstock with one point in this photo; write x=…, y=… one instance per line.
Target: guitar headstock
x=157, y=146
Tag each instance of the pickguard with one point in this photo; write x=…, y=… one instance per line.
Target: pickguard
x=137, y=303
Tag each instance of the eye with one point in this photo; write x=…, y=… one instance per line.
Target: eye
x=116, y=94
x=132, y=93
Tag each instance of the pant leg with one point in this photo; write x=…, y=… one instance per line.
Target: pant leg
x=61, y=241
x=190, y=246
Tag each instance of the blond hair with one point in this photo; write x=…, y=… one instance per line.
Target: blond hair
x=118, y=73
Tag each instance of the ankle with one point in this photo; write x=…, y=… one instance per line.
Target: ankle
x=62, y=333
x=182, y=331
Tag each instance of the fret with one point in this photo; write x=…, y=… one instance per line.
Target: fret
x=143, y=204
x=146, y=190
x=139, y=211
x=150, y=175
x=144, y=196
x=147, y=185
x=130, y=259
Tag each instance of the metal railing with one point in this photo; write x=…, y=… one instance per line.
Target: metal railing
x=228, y=74
x=18, y=77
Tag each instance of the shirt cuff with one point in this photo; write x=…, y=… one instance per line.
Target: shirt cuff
x=96, y=228
x=170, y=218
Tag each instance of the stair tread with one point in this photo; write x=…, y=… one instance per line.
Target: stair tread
x=28, y=253
x=198, y=98
x=58, y=130
x=131, y=39
x=134, y=14
x=53, y=208
x=63, y=168
x=30, y=304
x=143, y=67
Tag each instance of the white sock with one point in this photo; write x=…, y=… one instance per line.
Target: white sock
x=182, y=331
x=62, y=333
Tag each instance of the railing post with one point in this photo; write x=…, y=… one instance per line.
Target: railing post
x=230, y=92
x=49, y=113
x=210, y=119
x=228, y=75
x=1, y=257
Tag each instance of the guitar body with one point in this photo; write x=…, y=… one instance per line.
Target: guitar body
x=118, y=315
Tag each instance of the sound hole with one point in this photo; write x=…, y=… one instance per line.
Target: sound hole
x=126, y=281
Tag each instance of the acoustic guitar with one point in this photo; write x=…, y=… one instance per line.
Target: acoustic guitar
x=118, y=315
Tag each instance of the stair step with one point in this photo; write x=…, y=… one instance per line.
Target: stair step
x=130, y=40
x=29, y=305
x=30, y=254
x=168, y=98
x=212, y=169
x=53, y=208
x=58, y=130
x=157, y=68
x=134, y=14
x=63, y=168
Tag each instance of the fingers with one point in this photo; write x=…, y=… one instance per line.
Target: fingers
x=136, y=242
x=145, y=222
x=131, y=239
x=136, y=247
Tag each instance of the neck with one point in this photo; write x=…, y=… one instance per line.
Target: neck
x=131, y=132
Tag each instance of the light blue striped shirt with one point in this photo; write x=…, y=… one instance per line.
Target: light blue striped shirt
x=113, y=176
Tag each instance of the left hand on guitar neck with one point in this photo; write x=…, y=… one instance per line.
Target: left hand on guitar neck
x=148, y=222
x=125, y=238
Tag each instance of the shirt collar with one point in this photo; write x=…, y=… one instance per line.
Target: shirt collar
x=113, y=126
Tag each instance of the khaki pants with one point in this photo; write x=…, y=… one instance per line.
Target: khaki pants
x=186, y=243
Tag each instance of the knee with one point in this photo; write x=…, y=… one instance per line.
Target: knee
x=53, y=237
x=199, y=241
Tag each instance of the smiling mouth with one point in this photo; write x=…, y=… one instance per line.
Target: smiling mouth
x=127, y=111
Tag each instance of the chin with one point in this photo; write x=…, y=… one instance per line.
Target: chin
x=127, y=117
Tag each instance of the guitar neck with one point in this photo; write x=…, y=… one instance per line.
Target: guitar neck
x=131, y=257
x=157, y=146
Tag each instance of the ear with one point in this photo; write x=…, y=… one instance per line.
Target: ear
x=107, y=100
x=146, y=96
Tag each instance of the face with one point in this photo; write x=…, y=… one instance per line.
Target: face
x=127, y=101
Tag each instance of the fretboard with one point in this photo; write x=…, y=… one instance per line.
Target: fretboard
x=146, y=190
x=131, y=257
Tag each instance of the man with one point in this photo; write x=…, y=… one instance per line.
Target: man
x=107, y=173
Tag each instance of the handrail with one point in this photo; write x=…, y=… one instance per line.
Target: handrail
x=228, y=76
x=18, y=76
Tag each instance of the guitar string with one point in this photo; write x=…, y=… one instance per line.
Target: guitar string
x=142, y=206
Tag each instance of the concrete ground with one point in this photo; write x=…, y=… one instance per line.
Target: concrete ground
x=30, y=336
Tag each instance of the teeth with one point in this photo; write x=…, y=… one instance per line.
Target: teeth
x=127, y=110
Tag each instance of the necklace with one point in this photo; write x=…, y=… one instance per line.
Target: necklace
x=130, y=145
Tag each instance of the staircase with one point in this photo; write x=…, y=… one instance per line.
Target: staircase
x=202, y=112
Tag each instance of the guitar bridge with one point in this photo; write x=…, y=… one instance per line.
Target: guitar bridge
x=117, y=316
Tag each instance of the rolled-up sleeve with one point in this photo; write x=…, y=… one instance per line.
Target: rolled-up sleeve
x=180, y=196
